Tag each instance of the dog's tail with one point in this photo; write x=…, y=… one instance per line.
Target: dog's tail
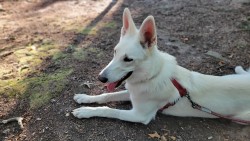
x=240, y=70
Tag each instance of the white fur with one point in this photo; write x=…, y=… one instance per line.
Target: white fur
x=149, y=88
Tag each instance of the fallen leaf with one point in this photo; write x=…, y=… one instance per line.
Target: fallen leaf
x=221, y=63
x=163, y=138
x=173, y=138
x=165, y=134
x=154, y=135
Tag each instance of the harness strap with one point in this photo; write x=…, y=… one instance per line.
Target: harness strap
x=206, y=110
x=184, y=92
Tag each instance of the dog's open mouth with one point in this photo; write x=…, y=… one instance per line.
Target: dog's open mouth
x=111, y=86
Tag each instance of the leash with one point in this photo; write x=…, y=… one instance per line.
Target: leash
x=183, y=92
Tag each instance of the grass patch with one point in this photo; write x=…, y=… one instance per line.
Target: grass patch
x=245, y=25
x=33, y=55
x=79, y=54
x=88, y=31
x=12, y=88
x=111, y=24
x=39, y=90
x=59, y=56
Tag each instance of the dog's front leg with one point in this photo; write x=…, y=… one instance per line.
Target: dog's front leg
x=126, y=115
x=103, y=98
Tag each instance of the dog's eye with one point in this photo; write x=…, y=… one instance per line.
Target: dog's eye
x=126, y=59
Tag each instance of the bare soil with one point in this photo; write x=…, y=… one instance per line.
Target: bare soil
x=78, y=36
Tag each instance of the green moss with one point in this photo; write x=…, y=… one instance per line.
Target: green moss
x=39, y=90
x=110, y=24
x=59, y=55
x=245, y=25
x=88, y=31
x=79, y=54
x=44, y=87
x=12, y=87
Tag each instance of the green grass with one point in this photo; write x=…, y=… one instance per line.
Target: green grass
x=110, y=24
x=39, y=90
x=41, y=87
x=245, y=25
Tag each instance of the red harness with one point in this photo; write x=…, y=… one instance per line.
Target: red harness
x=183, y=92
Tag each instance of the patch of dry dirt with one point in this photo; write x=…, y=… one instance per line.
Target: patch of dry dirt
x=186, y=29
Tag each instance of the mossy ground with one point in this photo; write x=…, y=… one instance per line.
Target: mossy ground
x=40, y=87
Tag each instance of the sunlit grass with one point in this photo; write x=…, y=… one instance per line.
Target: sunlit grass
x=39, y=88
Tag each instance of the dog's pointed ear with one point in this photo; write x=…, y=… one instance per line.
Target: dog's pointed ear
x=148, y=36
x=128, y=23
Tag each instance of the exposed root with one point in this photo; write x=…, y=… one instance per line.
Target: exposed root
x=18, y=119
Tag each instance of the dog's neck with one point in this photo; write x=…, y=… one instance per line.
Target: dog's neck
x=155, y=65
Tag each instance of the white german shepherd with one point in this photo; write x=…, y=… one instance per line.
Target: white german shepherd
x=150, y=76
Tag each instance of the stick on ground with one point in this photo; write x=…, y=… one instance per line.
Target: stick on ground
x=18, y=119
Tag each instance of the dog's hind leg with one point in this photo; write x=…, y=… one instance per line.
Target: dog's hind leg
x=244, y=116
x=103, y=98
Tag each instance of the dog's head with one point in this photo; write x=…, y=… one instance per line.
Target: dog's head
x=135, y=47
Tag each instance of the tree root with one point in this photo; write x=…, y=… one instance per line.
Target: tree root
x=18, y=119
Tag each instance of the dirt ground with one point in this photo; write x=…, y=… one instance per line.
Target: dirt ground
x=51, y=49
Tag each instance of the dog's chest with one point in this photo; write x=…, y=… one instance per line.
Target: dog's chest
x=135, y=89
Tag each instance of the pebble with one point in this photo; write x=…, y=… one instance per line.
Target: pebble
x=216, y=55
x=38, y=119
x=67, y=114
x=52, y=100
x=210, y=137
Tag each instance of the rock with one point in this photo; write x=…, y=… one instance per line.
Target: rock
x=209, y=138
x=67, y=114
x=216, y=55
x=52, y=100
x=33, y=47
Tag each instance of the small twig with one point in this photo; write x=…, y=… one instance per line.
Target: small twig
x=88, y=84
x=18, y=119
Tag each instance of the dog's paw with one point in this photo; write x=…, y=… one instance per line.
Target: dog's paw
x=239, y=70
x=87, y=112
x=83, y=112
x=82, y=98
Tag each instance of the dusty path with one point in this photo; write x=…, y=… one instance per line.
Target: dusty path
x=49, y=49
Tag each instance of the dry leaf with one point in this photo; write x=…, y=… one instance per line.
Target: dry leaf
x=154, y=135
x=173, y=138
x=163, y=138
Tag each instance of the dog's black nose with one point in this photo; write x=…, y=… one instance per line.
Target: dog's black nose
x=102, y=79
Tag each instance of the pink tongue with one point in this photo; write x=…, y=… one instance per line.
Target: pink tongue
x=111, y=86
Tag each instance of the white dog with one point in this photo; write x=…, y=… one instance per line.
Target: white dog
x=155, y=82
